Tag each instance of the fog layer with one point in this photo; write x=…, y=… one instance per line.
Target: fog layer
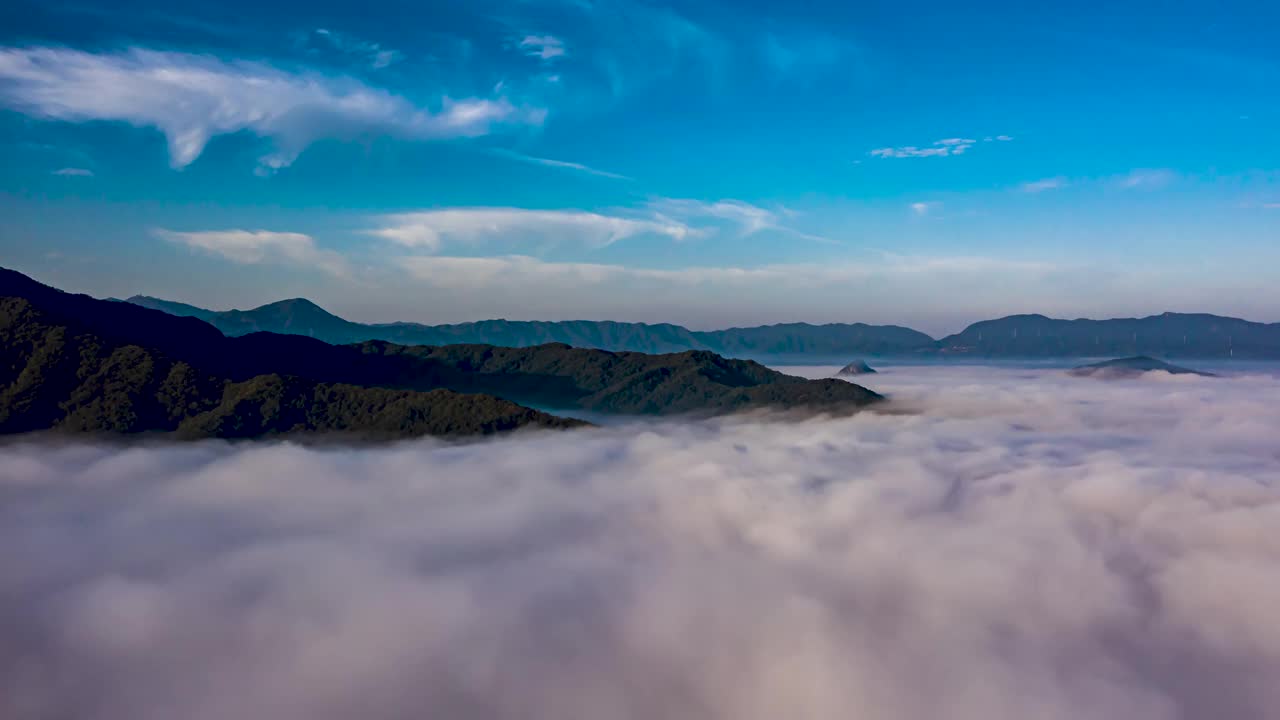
x=993, y=545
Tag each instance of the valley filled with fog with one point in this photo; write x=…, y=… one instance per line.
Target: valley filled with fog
x=994, y=543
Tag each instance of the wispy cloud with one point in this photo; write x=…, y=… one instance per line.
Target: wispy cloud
x=945, y=147
x=801, y=54
x=74, y=172
x=372, y=54
x=525, y=271
x=1145, y=179
x=192, y=98
x=672, y=218
x=431, y=229
x=562, y=164
x=745, y=217
x=545, y=47
x=253, y=247
x=924, y=208
x=1044, y=185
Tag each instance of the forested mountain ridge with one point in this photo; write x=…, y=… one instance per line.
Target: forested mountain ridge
x=1169, y=335
x=77, y=363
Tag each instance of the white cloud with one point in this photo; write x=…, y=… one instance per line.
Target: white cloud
x=923, y=208
x=562, y=164
x=430, y=229
x=371, y=53
x=529, y=273
x=910, y=151
x=945, y=147
x=746, y=218
x=1145, y=179
x=545, y=47
x=252, y=247
x=525, y=271
x=1039, y=186
x=74, y=172
x=192, y=98
x=677, y=219
x=1009, y=544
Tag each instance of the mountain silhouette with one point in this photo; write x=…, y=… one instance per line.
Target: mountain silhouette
x=1132, y=367
x=74, y=362
x=1167, y=335
x=302, y=317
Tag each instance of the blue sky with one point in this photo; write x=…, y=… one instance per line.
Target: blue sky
x=705, y=163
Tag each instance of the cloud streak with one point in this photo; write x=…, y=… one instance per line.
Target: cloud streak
x=193, y=98
x=1044, y=185
x=946, y=147
x=544, y=47
x=1020, y=545
x=253, y=247
x=523, y=272
x=432, y=229
x=744, y=218
x=1145, y=179
x=371, y=53
x=559, y=164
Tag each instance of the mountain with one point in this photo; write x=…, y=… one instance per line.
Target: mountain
x=297, y=316
x=124, y=354
x=1167, y=335
x=1132, y=367
x=171, y=307
x=58, y=374
x=857, y=367
x=302, y=317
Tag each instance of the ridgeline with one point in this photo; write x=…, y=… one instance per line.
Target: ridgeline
x=1026, y=336
x=75, y=363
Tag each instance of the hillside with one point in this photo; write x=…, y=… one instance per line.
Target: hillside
x=554, y=375
x=303, y=317
x=1169, y=335
x=56, y=374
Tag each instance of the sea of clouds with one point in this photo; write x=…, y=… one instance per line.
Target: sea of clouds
x=994, y=544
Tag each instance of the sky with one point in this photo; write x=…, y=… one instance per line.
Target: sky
x=704, y=163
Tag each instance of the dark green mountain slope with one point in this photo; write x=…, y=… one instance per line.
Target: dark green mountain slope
x=302, y=317
x=560, y=376
x=549, y=375
x=56, y=374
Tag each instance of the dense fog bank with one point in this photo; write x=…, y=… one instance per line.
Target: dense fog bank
x=997, y=544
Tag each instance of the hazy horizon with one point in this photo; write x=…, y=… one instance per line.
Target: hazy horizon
x=936, y=333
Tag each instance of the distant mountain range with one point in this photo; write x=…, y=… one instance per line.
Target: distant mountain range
x=76, y=364
x=303, y=317
x=1167, y=335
